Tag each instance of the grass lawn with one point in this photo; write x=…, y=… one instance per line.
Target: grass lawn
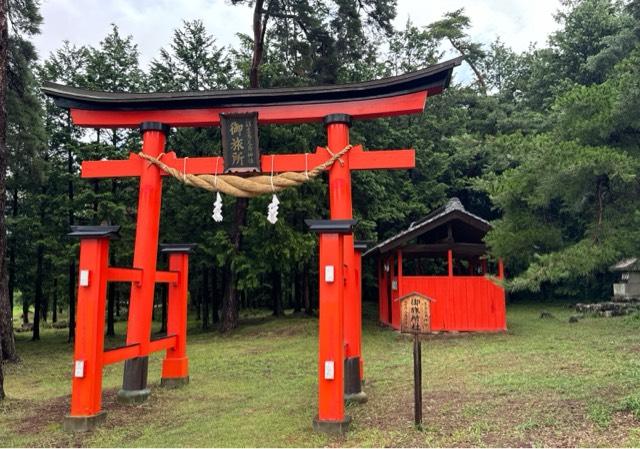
x=546, y=382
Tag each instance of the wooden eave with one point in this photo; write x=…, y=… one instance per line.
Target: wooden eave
x=433, y=79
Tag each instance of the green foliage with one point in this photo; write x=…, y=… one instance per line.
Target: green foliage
x=192, y=62
x=631, y=404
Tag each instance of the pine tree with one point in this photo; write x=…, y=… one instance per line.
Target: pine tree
x=568, y=192
x=16, y=54
x=67, y=65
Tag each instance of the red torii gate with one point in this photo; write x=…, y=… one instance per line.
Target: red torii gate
x=340, y=295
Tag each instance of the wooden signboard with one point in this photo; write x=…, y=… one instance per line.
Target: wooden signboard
x=415, y=311
x=240, y=142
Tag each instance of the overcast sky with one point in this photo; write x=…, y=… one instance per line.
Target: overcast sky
x=151, y=22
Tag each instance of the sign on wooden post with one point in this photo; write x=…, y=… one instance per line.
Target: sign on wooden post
x=415, y=313
x=240, y=142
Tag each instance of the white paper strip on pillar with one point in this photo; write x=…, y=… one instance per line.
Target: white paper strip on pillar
x=329, y=273
x=79, y=369
x=329, y=372
x=84, y=278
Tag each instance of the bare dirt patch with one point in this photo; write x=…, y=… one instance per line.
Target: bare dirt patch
x=43, y=419
x=467, y=419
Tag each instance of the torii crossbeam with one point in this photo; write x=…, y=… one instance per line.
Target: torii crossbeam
x=340, y=364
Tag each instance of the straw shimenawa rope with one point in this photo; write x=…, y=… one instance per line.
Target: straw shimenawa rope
x=246, y=187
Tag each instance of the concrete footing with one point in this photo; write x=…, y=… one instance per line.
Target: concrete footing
x=332, y=427
x=174, y=382
x=76, y=424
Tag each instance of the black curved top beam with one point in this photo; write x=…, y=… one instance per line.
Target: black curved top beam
x=433, y=79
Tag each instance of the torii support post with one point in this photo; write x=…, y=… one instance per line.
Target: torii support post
x=331, y=417
x=86, y=386
x=340, y=206
x=175, y=366
x=134, y=384
x=354, y=366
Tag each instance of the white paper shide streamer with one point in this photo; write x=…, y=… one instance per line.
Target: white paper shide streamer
x=217, y=204
x=272, y=214
x=217, y=209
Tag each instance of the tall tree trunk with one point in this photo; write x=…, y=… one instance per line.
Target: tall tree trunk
x=297, y=290
x=37, y=306
x=308, y=308
x=259, y=29
x=54, y=306
x=215, y=298
x=12, y=253
x=165, y=294
x=25, y=310
x=276, y=292
x=72, y=301
x=2, y=395
x=111, y=298
x=197, y=305
x=229, y=313
x=7, y=341
x=44, y=310
x=204, y=298
x=230, y=302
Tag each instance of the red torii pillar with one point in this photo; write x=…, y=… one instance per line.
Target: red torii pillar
x=341, y=208
x=360, y=247
x=145, y=253
x=332, y=282
x=89, y=354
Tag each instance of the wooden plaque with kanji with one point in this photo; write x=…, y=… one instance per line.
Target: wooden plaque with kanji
x=240, y=142
x=415, y=313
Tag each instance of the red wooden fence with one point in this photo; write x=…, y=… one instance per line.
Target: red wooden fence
x=461, y=303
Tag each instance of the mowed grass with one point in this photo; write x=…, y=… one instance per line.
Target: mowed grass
x=546, y=382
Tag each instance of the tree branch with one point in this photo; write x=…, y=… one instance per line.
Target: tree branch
x=479, y=76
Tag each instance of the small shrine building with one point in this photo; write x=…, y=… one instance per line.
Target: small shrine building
x=443, y=257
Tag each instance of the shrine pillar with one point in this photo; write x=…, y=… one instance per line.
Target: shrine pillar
x=86, y=385
x=332, y=277
x=134, y=384
x=360, y=247
x=340, y=207
x=175, y=366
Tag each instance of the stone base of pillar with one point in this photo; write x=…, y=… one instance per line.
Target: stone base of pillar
x=352, y=382
x=356, y=398
x=133, y=396
x=77, y=424
x=332, y=427
x=174, y=382
x=134, y=383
